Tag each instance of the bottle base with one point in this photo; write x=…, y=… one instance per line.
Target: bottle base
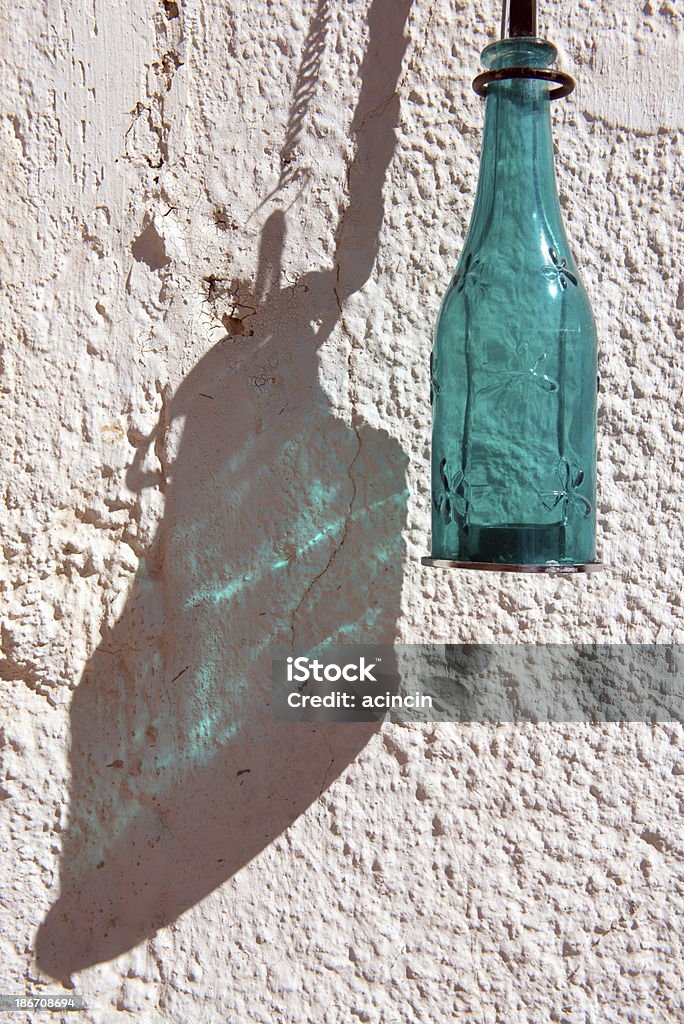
x=537, y=545
x=555, y=568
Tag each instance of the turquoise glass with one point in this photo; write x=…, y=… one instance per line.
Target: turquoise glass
x=513, y=366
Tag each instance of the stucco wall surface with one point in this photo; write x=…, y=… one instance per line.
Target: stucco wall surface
x=227, y=228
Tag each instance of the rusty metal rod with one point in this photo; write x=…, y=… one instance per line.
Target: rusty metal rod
x=518, y=18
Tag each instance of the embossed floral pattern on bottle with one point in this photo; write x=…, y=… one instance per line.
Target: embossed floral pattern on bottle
x=520, y=377
x=453, y=500
x=471, y=278
x=572, y=503
x=558, y=274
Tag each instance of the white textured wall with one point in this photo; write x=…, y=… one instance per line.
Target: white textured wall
x=157, y=541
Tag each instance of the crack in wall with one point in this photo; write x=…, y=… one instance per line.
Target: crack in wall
x=345, y=530
x=147, y=138
x=418, y=53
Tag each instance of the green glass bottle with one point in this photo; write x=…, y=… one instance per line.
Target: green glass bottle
x=513, y=369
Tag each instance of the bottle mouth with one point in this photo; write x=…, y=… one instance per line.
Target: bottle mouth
x=519, y=52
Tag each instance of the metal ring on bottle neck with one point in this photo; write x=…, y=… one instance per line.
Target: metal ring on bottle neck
x=565, y=87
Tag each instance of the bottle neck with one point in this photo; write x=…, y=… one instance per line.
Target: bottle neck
x=516, y=192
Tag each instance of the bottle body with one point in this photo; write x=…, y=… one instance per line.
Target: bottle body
x=514, y=365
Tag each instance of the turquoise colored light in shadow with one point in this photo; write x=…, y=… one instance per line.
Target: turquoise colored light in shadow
x=216, y=593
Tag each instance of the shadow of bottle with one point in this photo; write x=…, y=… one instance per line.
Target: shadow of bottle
x=282, y=529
